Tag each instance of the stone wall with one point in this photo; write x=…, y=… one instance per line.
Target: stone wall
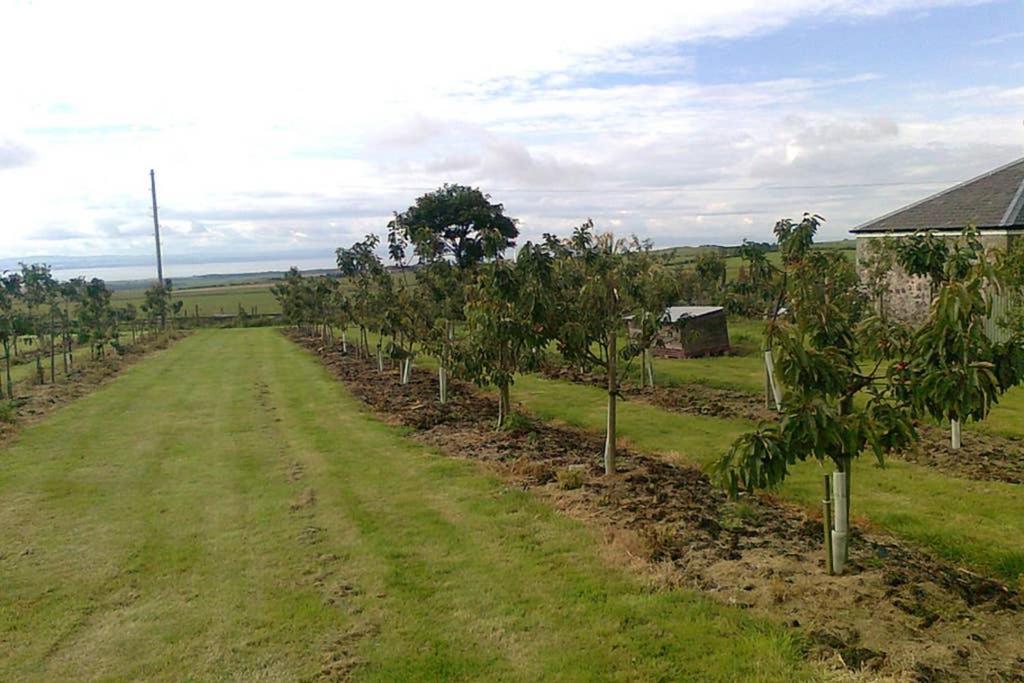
x=909, y=297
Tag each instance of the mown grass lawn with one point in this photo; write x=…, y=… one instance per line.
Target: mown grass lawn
x=225, y=510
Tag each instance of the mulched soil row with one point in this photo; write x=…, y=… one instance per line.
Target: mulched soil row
x=982, y=457
x=897, y=613
x=34, y=401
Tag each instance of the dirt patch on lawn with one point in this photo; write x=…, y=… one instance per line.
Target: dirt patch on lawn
x=33, y=402
x=899, y=613
x=982, y=457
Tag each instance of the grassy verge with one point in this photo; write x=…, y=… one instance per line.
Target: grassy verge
x=226, y=510
x=973, y=522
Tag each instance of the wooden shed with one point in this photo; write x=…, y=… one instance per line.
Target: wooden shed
x=693, y=331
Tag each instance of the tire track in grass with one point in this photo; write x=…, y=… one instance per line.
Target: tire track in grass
x=397, y=500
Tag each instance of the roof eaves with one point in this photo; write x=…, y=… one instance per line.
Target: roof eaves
x=863, y=227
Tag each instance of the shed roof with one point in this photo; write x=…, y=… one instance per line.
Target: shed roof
x=675, y=313
x=992, y=200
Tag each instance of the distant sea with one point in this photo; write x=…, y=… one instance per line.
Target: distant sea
x=179, y=270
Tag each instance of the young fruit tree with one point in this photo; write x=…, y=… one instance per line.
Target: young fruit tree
x=98, y=319
x=964, y=362
x=362, y=268
x=38, y=286
x=10, y=292
x=831, y=349
x=507, y=306
x=598, y=283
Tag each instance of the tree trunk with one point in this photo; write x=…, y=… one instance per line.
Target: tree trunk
x=609, y=444
x=53, y=352
x=504, y=403
x=769, y=364
x=7, y=368
x=40, y=374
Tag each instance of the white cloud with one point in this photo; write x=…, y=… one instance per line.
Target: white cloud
x=272, y=126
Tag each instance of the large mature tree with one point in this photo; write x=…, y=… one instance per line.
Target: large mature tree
x=456, y=222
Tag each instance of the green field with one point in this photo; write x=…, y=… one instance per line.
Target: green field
x=212, y=300
x=975, y=522
x=686, y=256
x=226, y=510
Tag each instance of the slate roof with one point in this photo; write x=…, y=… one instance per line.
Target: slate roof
x=992, y=200
x=674, y=313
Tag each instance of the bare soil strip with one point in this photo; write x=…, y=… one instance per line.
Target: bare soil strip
x=899, y=614
x=982, y=457
x=34, y=401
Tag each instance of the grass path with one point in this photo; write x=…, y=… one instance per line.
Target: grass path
x=226, y=510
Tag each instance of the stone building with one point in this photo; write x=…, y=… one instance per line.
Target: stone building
x=992, y=202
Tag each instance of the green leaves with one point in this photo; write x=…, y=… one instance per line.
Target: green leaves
x=453, y=221
x=829, y=351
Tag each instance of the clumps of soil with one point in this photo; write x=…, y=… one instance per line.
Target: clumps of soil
x=982, y=457
x=898, y=612
x=693, y=399
x=34, y=401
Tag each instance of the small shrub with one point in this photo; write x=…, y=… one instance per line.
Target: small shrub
x=736, y=515
x=572, y=477
x=7, y=411
x=517, y=422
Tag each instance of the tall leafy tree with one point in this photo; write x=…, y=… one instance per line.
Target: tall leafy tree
x=37, y=291
x=508, y=306
x=834, y=346
x=363, y=268
x=10, y=292
x=451, y=231
x=456, y=222
x=599, y=282
x=97, y=316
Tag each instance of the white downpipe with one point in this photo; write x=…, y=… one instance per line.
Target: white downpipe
x=841, y=528
x=954, y=432
x=769, y=365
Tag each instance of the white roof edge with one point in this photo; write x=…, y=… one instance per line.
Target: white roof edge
x=939, y=194
x=1013, y=210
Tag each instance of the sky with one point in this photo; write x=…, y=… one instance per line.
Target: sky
x=289, y=129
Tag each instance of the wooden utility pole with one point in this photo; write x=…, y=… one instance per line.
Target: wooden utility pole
x=156, y=229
